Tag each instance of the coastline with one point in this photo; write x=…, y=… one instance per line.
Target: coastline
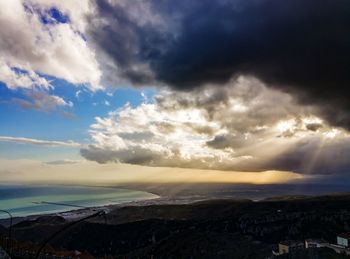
x=185, y=195
x=75, y=214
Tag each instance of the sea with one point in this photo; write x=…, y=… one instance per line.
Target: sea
x=23, y=201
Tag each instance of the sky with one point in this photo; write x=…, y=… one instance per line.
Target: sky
x=199, y=91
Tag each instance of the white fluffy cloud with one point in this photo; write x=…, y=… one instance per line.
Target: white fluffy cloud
x=26, y=80
x=56, y=49
x=241, y=126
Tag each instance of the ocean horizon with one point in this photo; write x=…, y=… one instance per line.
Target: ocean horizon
x=23, y=201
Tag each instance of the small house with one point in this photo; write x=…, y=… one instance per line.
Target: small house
x=289, y=246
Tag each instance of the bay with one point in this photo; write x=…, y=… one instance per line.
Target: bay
x=31, y=200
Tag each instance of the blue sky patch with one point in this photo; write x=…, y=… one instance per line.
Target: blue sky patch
x=52, y=16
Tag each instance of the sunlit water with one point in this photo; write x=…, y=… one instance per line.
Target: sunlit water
x=27, y=200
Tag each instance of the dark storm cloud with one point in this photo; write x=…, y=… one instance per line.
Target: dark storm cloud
x=314, y=126
x=140, y=156
x=314, y=157
x=300, y=46
x=229, y=141
x=309, y=156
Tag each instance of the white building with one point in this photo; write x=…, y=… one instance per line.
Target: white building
x=343, y=240
x=314, y=243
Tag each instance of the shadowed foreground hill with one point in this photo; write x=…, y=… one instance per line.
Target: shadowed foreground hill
x=210, y=229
